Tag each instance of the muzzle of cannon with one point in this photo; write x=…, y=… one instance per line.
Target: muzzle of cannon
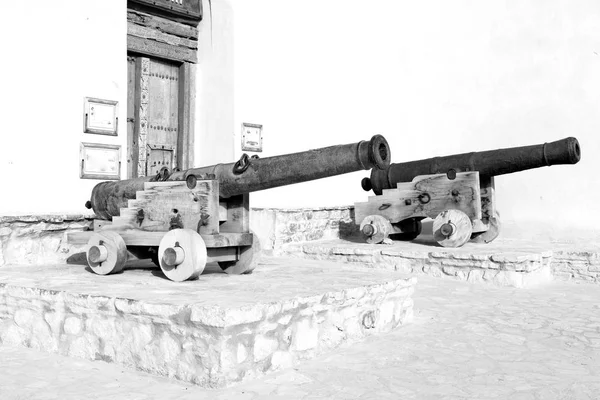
x=457, y=191
x=253, y=174
x=487, y=163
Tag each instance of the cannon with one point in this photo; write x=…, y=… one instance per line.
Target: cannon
x=457, y=191
x=184, y=219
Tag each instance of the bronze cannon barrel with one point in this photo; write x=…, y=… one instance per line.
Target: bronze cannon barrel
x=254, y=174
x=488, y=163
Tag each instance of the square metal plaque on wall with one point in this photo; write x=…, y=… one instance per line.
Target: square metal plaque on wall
x=251, y=137
x=100, y=161
x=101, y=116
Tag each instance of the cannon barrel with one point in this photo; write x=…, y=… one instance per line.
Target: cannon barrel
x=488, y=163
x=254, y=174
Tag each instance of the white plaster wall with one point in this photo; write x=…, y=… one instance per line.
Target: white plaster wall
x=53, y=55
x=435, y=78
x=215, y=85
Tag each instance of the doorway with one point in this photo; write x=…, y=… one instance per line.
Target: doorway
x=158, y=117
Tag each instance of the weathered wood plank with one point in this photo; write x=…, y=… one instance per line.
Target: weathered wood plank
x=132, y=150
x=479, y=226
x=218, y=254
x=172, y=205
x=187, y=106
x=162, y=24
x=488, y=198
x=134, y=237
x=425, y=196
x=154, y=34
x=161, y=50
x=490, y=219
x=141, y=119
x=222, y=211
x=162, y=116
x=238, y=214
x=189, y=11
x=166, y=184
x=209, y=221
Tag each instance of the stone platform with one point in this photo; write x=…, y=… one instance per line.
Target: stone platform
x=502, y=262
x=214, y=331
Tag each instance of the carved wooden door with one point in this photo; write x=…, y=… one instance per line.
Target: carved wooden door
x=132, y=88
x=153, y=113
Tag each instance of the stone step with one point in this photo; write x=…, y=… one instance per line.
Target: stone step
x=493, y=263
x=201, y=331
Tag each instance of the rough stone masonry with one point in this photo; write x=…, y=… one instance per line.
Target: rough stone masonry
x=214, y=331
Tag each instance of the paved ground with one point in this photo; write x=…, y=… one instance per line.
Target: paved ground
x=468, y=341
x=275, y=279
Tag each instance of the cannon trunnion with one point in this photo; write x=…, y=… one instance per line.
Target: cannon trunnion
x=188, y=218
x=457, y=191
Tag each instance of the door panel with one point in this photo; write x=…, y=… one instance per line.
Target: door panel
x=160, y=156
x=163, y=116
x=153, y=109
x=132, y=148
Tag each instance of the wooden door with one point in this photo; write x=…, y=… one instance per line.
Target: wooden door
x=163, y=116
x=132, y=131
x=153, y=109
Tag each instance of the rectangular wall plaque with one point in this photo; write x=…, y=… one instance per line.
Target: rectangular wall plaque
x=100, y=161
x=251, y=137
x=101, y=116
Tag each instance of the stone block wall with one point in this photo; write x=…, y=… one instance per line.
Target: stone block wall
x=583, y=266
x=211, y=346
x=39, y=239
x=504, y=269
x=277, y=227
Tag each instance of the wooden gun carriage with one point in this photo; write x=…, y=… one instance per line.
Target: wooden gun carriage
x=184, y=219
x=457, y=191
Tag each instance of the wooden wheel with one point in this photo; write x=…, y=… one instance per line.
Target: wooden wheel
x=492, y=232
x=182, y=255
x=452, y=228
x=247, y=259
x=375, y=229
x=107, y=252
